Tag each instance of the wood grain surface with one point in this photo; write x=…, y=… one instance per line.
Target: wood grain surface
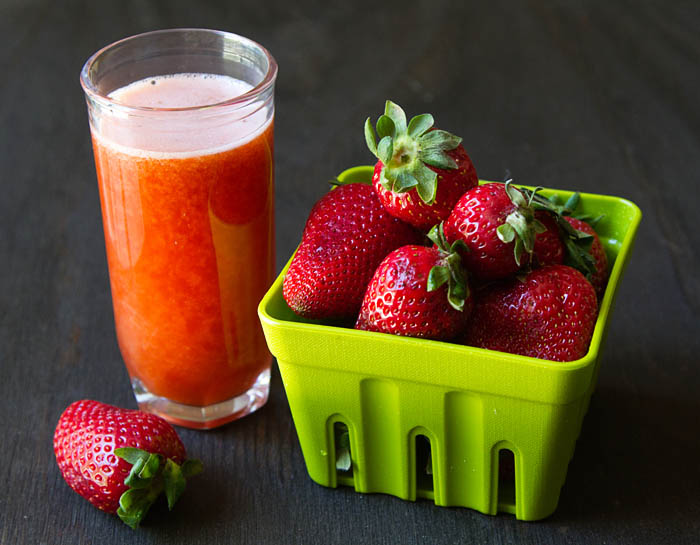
x=594, y=96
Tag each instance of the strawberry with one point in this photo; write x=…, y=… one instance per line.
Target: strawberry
x=418, y=292
x=599, y=276
x=550, y=313
x=421, y=172
x=119, y=459
x=346, y=236
x=497, y=223
x=548, y=248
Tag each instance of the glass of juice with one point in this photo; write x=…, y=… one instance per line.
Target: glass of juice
x=182, y=132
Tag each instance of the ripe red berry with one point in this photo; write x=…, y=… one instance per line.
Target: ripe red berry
x=422, y=172
x=498, y=225
x=120, y=459
x=548, y=314
x=548, y=248
x=346, y=236
x=418, y=292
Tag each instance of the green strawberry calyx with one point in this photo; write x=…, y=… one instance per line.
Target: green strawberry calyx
x=150, y=475
x=407, y=148
x=451, y=271
x=520, y=226
x=577, y=244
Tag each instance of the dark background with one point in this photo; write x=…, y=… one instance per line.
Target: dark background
x=594, y=96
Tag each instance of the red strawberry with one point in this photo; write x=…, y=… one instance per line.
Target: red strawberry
x=418, y=292
x=548, y=248
x=119, y=459
x=498, y=225
x=346, y=236
x=548, y=314
x=421, y=172
x=599, y=278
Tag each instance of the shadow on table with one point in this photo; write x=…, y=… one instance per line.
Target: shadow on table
x=636, y=460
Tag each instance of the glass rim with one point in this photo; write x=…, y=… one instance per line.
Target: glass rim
x=91, y=90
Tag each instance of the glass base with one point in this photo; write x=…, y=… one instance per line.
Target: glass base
x=207, y=417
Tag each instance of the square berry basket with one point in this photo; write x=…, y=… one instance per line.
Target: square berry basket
x=428, y=419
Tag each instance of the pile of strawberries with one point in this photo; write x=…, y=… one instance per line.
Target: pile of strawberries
x=425, y=251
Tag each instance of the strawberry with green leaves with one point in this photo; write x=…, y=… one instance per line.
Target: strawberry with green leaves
x=547, y=313
x=418, y=291
x=598, y=274
x=421, y=172
x=578, y=243
x=498, y=225
x=347, y=234
x=120, y=460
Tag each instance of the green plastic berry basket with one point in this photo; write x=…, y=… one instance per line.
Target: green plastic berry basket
x=399, y=397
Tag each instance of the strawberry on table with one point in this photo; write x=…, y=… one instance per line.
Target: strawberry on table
x=497, y=223
x=346, y=236
x=418, y=291
x=421, y=171
x=120, y=460
x=550, y=313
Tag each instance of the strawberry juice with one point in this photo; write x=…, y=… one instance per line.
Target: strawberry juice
x=188, y=224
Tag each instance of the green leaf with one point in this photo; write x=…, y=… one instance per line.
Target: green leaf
x=515, y=195
x=173, y=482
x=419, y=124
x=385, y=149
x=370, y=137
x=131, y=454
x=437, y=158
x=459, y=246
x=434, y=235
x=439, y=139
x=343, y=460
x=456, y=294
x=386, y=127
x=192, y=467
x=133, y=480
x=518, y=250
x=437, y=276
x=151, y=467
x=427, y=189
x=427, y=183
x=133, y=506
x=397, y=115
x=538, y=226
x=404, y=182
x=131, y=498
x=572, y=202
x=505, y=233
x=437, y=236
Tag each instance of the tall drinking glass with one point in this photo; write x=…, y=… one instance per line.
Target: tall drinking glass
x=182, y=132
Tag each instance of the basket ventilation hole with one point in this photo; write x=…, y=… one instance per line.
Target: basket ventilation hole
x=506, y=477
x=424, y=464
x=343, y=458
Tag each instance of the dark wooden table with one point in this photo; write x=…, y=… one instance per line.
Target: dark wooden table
x=595, y=96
